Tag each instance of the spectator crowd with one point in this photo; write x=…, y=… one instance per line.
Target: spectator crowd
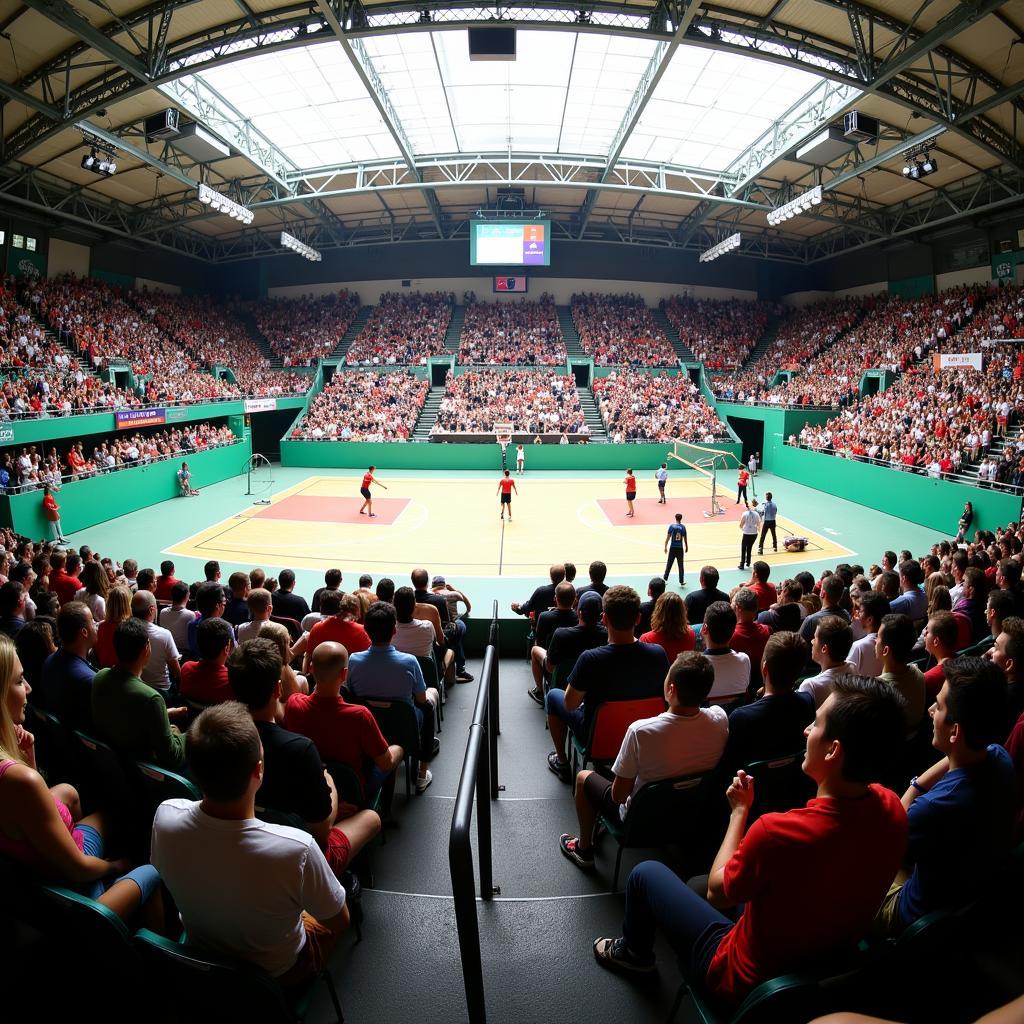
x=620, y=330
x=403, y=329
x=516, y=332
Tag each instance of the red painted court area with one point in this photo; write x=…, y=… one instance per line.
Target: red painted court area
x=650, y=513
x=308, y=508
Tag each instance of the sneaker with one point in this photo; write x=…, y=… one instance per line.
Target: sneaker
x=424, y=780
x=536, y=695
x=463, y=677
x=435, y=748
x=615, y=955
x=373, y=515
x=560, y=768
x=570, y=846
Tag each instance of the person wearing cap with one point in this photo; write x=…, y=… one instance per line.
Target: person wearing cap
x=569, y=642
x=562, y=616
x=440, y=586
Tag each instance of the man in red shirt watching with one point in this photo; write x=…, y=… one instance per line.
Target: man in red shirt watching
x=341, y=731
x=339, y=624
x=64, y=580
x=810, y=879
x=206, y=681
x=165, y=581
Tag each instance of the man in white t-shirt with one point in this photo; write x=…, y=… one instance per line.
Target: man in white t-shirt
x=830, y=648
x=244, y=888
x=163, y=669
x=732, y=668
x=872, y=608
x=177, y=617
x=685, y=740
x=412, y=636
x=260, y=608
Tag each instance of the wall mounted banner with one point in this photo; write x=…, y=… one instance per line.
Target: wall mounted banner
x=126, y=419
x=260, y=404
x=949, y=360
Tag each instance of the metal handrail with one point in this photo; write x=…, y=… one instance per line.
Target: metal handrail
x=479, y=779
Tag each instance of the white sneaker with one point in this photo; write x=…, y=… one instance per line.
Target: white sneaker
x=424, y=780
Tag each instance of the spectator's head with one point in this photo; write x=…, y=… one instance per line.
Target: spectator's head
x=783, y=661
x=565, y=595
x=349, y=607
x=1007, y=653
x=655, y=588
x=589, y=609
x=1008, y=574
x=570, y=571
x=969, y=712
x=166, y=568
x=405, y=604
x=790, y=592
x=556, y=573
x=224, y=754
x=257, y=577
x=419, y=578
x=889, y=561
x=833, y=639
x=598, y=571
x=911, y=575
x=210, y=600
x=380, y=623
x=896, y=637
x=621, y=609
x=744, y=604
x=330, y=665
x=689, y=681
x=888, y=583
x=330, y=602
x=709, y=578
x=73, y=563
x=332, y=579
x=13, y=597
x=145, y=580
x=832, y=590
x=974, y=586
x=806, y=581
x=211, y=571
x=856, y=733
x=286, y=580
x=719, y=624
x=940, y=635
x=129, y=568
x=179, y=594
x=999, y=606
x=94, y=579
x=75, y=628
x=365, y=581
x=131, y=644
x=385, y=589
x=761, y=571
x=669, y=616
x=58, y=560
x=873, y=608
x=213, y=639
x=259, y=604
x=254, y=671
x=238, y=584
x=277, y=633
x=144, y=606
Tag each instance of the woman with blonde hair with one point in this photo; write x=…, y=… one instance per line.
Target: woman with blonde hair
x=291, y=681
x=43, y=830
x=118, y=608
x=94, y=590
x=670, y=627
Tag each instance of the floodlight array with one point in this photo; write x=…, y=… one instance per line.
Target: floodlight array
x=919, y=168
x=291, y=242
x=726, y=245
x=795, y=207
x=99, y=163
x=216, y=201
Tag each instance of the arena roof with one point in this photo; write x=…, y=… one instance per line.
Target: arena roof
x=661, y=123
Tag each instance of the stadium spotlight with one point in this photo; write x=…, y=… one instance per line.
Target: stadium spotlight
x=726, y=245
x=291, y=242
x=89, y=160
x=795, y=207
x=222, y=204
x=99, y=163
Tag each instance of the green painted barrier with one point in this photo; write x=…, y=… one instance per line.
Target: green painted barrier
x=937, y=504
x=97, y=499
x=778, y=424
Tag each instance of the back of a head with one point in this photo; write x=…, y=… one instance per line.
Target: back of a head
x=719, y=623
x=330, y=602
x=380, y=622
x=976, y=700
x=621, y=607
x=975, y=579
x=222, y=749
x=130, y=567
x=208, y=597
x=330, y=660
x=286, y=579
x=899, y=635
x=74, y=561
x=598, y=571
x=258, y=601
x=874, y=605
x=146, y=579
x=211, y=570
x=238, y=582
x=911, y=571
x=866, y=717
x=71, y=620
x=890, y=584
x=791, y=592
x=10, y=597
x=744, y=602
x=419, y=578
x=212, y=636
x=556, y=573
x=385, y=589
x=130, y=639
x=166, y=568
x=785, y=656
x=179, y=593
x=944, y=629
x=332, y=579
x=656, y=587
x=404, y=603
x=669, y=617
x=254, y=670
x=565, y=595
x=143, y=602
x=832, y=589
x=693, y=676
x=57, y=560
x=365, y=581
x=257, y=577
x=589, y=609
x=762, y=570
x=1001, y=603
x=709, y=577
x=570, y=571
x=834, y=632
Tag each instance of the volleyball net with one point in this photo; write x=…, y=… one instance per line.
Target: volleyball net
x=705, y=462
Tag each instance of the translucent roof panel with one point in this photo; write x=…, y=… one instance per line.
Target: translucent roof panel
x=710, y=106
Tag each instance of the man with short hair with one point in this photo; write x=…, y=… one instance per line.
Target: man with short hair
x=832, y=641
x=128, y=713
x=260, y=608
x=940, y=641
x=766, y=593
x=732, y=668
x=750, y=636
x=288, y=604
x=210, y=604
x=244, y=888
x=569, y=642
x=165, y=581
x=163, y=670
x=130, y=572
x=294, y=778
x=342, y=627
x=873, y=607
x=66, y=681
x=13, y=599
x=332, y=583
x=623, y=669
x=206, y=681
x=64, y=571
x=912, y=601
x=832, y=590
x=961, y=825
x=655, y=588
x=1007, y=653
x=236, y=611
x=387, y=674
x=561, y=616
x=895, y=642
x=1008, y=578
x=998, y=608
x=211, y=571
x=769, y=517
x=847, y=843
x=177, y=618
x=785, y=615
x=687, y=739
x=597, y=572
x=544, y=596
x=676, y=546
x=697, y=601
x=146, y=580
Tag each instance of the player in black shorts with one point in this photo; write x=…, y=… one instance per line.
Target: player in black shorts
x=368, y=478
x=506, y=485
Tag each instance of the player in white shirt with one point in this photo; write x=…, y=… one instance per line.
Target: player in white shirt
x=662, y=477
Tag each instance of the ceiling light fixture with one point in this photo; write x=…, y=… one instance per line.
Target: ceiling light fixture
x=291, y=242
x=795, y=207
x=223, y=204
x=726, y=245
x=99, y=162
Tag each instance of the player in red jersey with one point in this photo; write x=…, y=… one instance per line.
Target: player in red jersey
x=506, y=485
x=630, y=483
x=368, y=478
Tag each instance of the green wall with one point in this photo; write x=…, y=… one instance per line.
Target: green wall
x=778, y=424
x=919, y=499
x=85, y=503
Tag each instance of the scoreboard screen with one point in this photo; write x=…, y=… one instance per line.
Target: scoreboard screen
x=510, y=243
x=510, y=284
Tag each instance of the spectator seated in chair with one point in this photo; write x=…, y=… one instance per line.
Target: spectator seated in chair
x=830, y=646
x=732, y=668
x=260, y=610
x=895, y=642
x=67, y=678
x=562, y=616
x=206, y=681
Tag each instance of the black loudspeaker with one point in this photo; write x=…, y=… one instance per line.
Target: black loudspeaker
x=492, y=43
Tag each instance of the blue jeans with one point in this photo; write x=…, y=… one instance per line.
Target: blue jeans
x=656, y=896
x=555, y=705
x=145, y=877
x=460, y=651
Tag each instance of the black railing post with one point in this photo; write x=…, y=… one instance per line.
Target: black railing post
x=483, y=819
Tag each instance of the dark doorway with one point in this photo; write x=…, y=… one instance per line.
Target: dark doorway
x=581, y=371
x=751, y=433
x=869, y=386
x=438, y=374
x=267, y=430
x=121, y=375
x=694, y=372
x=328, y=369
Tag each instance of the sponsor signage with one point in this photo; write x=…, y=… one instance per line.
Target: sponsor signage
x=260, y=404
x=125, y=419
x=950, y=360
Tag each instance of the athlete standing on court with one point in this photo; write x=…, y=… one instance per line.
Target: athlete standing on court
x=369, y=478
x=506, y=485
x=676, y=545
x=520, y=459
x=769, y=513
x=661, y=476
x=630, y=483
x=741, y=486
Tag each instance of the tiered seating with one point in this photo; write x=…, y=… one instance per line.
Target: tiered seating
x=719, y=332
x=620, y=330
x=306, y=329
x=403, y=329
x=517, y=333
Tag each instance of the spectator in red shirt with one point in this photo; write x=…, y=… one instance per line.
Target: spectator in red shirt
x=766, y=593
x=206, y=681
x=669, y=627
x=340, y=624
x=64, y=580
x=750, y=636
x=810, y=880
x=341, y=731
x=940, y=641
x=165, y=581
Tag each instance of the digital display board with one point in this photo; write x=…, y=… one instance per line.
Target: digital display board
x=510, y=243
x=510, y=284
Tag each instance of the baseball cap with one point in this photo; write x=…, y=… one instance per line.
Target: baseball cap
x=590, y=605
x=438, y=581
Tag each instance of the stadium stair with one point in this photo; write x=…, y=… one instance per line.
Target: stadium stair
x=52, y=335
x=681, y=350
x=771, y=330
x=352, y=333
x=454, y=332
x=428, y=414
x=1014, y=435
x=598, y=432
x=252, y=329
x=569, y=333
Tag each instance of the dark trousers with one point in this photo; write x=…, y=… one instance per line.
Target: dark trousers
x=768, y=525
x=675, y=555
x=741, y=493
x=657, y=897
x=747, y=549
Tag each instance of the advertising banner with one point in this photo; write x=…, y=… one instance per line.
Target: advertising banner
x=126, y=419
x=260, y=404
x=949, y=360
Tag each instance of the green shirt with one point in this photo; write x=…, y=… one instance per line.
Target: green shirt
x=132, y=717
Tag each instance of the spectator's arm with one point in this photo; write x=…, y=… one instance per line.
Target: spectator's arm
x=390, y=759
x=621, y=788
x=320, y=830
x=166, y=742
x=573, y=698
x=740, y=795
